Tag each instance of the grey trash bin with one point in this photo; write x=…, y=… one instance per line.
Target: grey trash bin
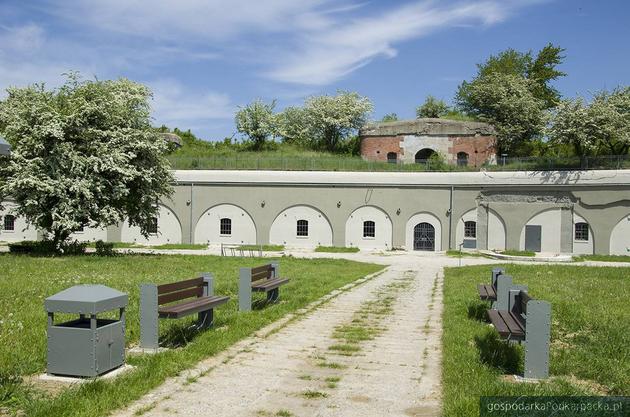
x=88, y=346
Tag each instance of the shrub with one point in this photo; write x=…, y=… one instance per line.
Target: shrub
x=104, y=248
x=47, y=248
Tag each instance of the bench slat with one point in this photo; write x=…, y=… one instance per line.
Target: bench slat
x=180, y=295
x=180, y=285
x=512, y=323
x=269, y=284
x=261, y=272
x=487, y=292
x=498, y=323
x=191, y=307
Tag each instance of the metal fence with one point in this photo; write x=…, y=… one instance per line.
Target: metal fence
x=294, y=163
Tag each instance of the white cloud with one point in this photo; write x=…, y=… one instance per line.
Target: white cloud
x=173, y=103
x=327, y=56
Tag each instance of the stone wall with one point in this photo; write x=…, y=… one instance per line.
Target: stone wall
x=377, y=148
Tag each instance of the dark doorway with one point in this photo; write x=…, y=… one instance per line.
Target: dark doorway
x=462, y=158
x=533, y=238
x=392, y=157
x=424, y=237
x=423, y=155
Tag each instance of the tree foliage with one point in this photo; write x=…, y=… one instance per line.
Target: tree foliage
x=258, y=121
x=507, y=102
x=293, y=127
x=541, y=70
x=602, y=126
x=432, y=107
x=331, y=119
x=390, y=117
x=83, y=155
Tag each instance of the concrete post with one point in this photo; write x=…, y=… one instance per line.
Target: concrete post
x=566, y=230
x=205, y=318
x=245, y=289
x=482, y=227
x=149, y=327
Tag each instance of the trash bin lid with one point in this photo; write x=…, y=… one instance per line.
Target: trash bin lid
x=86, y=299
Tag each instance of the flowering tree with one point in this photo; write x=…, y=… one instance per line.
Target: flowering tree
x=332, y=118
x=257, y=121
x=83, y=155
x=432, y=107
x=572, y=124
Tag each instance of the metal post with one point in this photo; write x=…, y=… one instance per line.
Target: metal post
x=205, y=318
x=537, y=336
x=245, y=289
x=149, y=327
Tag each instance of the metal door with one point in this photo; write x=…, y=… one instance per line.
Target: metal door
x=424, y=237
x=533, y=236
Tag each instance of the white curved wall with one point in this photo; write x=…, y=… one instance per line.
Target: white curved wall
x=620, y=237
x=21, y=231
x=208, y=229
x=169, y=230
x=459, y=230
x=90, y=234
x=582, y=247
x=423, y=218
x=496, y=231
x=383, y=229
x=550, y=232
x=284, y=228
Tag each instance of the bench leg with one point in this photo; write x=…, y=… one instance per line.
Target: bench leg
x=148, y=316
x=245, y=289
x=537, y=337
x=272, y=295
x=205, y=319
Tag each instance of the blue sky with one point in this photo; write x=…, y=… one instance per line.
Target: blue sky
x=204, y=58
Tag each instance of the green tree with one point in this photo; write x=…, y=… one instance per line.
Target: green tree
x=432, y=107
x=84, y=155
x=610, y=112
x=258, y=121
x=507, y=102
x=390, y=117
x=541, y=70
x=331, y=119
x=293, y=127
x=572, y=124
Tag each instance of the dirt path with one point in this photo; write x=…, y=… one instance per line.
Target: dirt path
x=373, y=350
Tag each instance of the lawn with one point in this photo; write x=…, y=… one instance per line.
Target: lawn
x=336, y=249
x=602, y=258
x=590, y=335
x=26, y=281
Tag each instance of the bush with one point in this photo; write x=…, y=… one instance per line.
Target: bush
x=47, y=248
x=104, y=248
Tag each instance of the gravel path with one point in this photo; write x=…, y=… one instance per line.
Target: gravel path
x=385, y=358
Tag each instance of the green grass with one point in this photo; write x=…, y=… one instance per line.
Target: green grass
x=127, y=245
x=603, y=258
x=336, y=249
x=456, y=254
x=264, y=248
x=590, y=335
x=511, y=252
x=27, y=280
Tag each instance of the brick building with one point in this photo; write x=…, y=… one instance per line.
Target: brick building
x=415, y=141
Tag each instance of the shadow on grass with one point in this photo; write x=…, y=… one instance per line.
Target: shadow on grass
x=179, y=335
x=477, y=310
x=499, y=353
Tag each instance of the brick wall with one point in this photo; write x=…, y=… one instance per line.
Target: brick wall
x=376, y=148
x=479, y=148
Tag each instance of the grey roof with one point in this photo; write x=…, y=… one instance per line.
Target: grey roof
x=86, y=299
x=173, y=138
x=5, y=148
x=428, y=126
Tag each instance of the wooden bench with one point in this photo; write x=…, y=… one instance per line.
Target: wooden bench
x=176, y=300
x=265, y=278
x=529, y=320
x=488, y=292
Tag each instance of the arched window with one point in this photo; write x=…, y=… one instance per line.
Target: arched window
x=470, y=229
x=423, y=155
x=153, y=226
x=462, y=158
x=581, y=231
x=9, y=223
x=392, y=157
x=369, y=229
x=302, y=228
x=225, y=227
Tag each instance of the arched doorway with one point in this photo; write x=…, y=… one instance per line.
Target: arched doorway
x=424, y=237
x=423, y=155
